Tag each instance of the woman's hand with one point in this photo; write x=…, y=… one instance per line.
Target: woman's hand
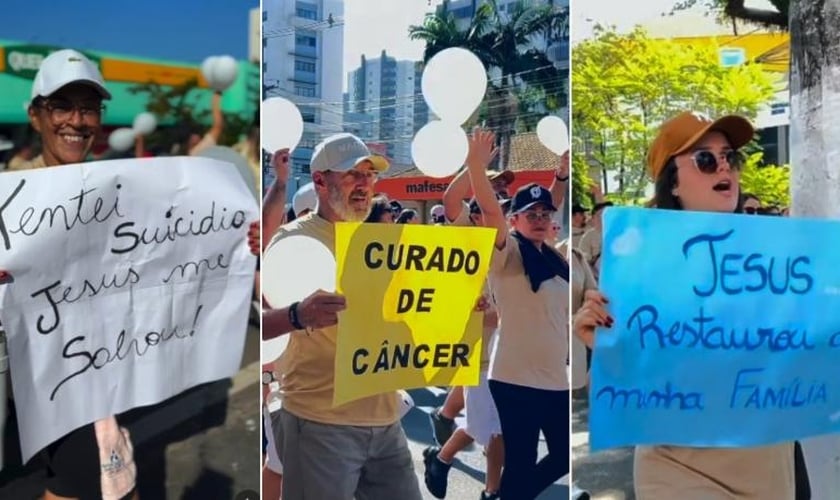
x=482, y=304
x=592, y=314
x=253, y=238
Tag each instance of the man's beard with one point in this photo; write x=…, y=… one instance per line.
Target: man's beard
x=342, y=207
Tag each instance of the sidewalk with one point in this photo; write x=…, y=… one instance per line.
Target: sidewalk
x=607, y=475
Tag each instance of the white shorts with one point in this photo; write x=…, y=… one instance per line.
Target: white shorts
x=272, y=460
x=481, y=415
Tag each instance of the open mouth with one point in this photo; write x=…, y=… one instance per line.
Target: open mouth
x=723, y=186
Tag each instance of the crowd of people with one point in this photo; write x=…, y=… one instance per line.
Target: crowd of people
x=359, y=449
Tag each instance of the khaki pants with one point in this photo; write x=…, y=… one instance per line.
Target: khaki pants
x=342, y=462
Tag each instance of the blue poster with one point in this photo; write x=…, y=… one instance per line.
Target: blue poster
x=726, y=333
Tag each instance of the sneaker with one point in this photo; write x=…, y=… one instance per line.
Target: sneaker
x=489, y=496
x=437, y=472
x=442, y=427
x=578, y=494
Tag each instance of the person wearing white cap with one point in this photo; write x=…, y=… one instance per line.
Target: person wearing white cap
x=357, y=449
x=438, y=214
x=66, y=108
x=305, y=200
x=95, y=460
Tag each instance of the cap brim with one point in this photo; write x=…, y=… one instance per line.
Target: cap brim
x=102, y=91
x=547, y=205
x=380, y=163
x=737, y=129
x=507, y=175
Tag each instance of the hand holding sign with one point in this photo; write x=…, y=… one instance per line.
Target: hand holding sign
x=592, y=314
x=321, y=309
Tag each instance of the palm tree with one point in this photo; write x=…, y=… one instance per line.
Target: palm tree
x=504, y=42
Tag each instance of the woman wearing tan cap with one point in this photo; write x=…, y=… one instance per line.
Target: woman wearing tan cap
x=695, y=164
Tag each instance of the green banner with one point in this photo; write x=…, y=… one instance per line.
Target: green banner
x=24, y=60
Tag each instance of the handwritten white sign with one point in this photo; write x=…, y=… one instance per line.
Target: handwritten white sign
x=131, y=282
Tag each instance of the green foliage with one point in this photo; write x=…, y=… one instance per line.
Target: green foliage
x=174, y=108
x=729, y=9
x=581, y=182
x=530, y=86
x=770, y=183
x=627, y=85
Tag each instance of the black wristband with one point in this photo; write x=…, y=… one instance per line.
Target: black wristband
x=561, y=179
x=293, y=316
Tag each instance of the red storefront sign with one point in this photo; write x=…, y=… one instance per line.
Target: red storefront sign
x=430, y=188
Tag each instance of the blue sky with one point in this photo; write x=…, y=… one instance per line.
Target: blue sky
x=178, y=30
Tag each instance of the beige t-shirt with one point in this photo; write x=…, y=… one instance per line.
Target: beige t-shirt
x=463, y=218
x=590, y=247
x=308, y=363
x=577, y=235
x=37, y=162
x=582, y=280
x=488, y=331
x=666, y=472
x=533, y=341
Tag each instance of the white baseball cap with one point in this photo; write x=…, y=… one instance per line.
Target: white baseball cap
x=305, y=199
x=437, y=211
x=342, y=152
x=64, y=67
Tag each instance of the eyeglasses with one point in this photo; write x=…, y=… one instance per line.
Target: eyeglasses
x=535, y=216
x=750, y=210
x=62, y=111
x=707, y=162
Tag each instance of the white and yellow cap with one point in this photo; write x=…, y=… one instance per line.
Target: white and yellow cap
x=64, y=67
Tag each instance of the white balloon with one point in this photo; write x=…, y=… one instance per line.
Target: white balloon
x=272, y=349
x=454, y=82
x=281, y=123
x=554, y=135
x=224, y=70
x=294, y=268
x=439, y=148
x=121, y=139
x=207, y=69
x=144, y=123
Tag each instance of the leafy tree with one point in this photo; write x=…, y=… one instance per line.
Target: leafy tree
x=627, y=85
x=500, y=40
x=770, y=183
x=174, y=108
x=737, y=9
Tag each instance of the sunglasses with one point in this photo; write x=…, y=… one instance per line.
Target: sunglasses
x=750, y=210
x=707, y=162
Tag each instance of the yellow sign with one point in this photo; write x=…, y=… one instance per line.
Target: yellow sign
x=118, y=70
x=411, y=293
